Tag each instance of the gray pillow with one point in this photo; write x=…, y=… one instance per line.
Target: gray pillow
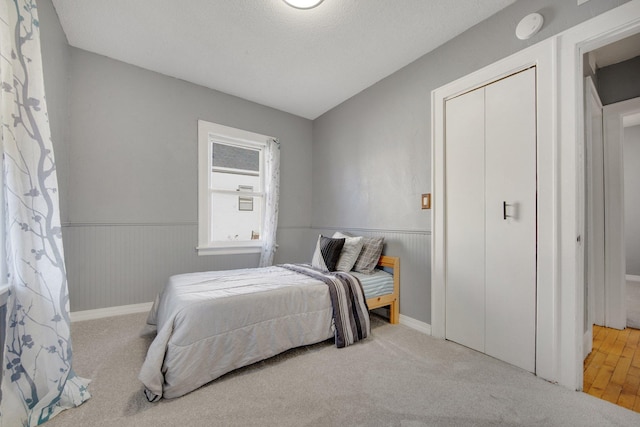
x=350, y=251
x=327, y=253
x=370, y=254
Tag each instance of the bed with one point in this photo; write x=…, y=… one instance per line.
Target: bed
x=387, y=297
x=205, y=329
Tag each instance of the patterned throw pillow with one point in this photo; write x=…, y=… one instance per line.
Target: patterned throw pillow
x=327, y=253
x=370, y=254
x=350, y=251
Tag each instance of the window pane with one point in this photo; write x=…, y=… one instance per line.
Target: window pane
x=231, y=223
x=231, y=157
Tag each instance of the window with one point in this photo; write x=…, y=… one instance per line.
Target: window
x=231, y=189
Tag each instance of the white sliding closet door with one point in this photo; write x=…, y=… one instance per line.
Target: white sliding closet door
x=491, y=221
x=465, y=171
x=510, y=116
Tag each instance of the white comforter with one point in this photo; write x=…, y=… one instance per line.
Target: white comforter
x=213, y=322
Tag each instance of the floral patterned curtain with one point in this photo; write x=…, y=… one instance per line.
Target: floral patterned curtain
x=272, y=190
x=38, y=380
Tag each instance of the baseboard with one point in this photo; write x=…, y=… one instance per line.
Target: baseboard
x=99, y=313
x=632, y=278
x=419, y=326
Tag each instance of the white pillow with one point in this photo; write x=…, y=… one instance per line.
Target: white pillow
x=350, y=251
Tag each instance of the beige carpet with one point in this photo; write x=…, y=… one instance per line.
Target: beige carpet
x=398, y=377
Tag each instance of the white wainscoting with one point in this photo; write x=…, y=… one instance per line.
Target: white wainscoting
x=111, y=265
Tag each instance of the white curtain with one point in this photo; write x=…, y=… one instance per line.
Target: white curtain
x=272, y=189
x=38, y=380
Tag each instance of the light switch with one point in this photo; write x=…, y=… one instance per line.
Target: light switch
x=426, y=201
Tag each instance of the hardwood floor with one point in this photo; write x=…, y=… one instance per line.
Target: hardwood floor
x=612, y=370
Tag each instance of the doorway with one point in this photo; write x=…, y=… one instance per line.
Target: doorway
x=610, y=111
x=631, y=147
x=608, y=107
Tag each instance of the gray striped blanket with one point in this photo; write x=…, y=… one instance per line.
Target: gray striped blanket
x=350, y=311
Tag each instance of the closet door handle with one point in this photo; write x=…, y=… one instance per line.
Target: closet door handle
x=504, y=210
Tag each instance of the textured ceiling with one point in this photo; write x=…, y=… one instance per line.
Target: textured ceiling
x=303, y=62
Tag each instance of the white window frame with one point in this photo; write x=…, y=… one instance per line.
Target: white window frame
x=230, y=136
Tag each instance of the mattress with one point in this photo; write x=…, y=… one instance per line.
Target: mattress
x=375, y=284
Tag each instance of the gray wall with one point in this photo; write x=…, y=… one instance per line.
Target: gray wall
x=125, y=141
x=133, y=144
x=619, y=82
x=632, y=198
x=133, y=178
x=55, y=60
x=372, y=154
x=128, y=161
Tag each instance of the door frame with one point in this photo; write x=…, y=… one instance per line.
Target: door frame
x=599, y=31
x=541, y=55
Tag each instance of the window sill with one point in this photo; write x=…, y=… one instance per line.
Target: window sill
x=228, y=250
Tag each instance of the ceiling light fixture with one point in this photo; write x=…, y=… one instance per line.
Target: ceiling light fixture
x=303, y=4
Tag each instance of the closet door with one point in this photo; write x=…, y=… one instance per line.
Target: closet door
x=464, y=175
x=510, y=189
x=490, y=173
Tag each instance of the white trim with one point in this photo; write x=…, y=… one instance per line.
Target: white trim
x=100, y=313
x=232, y=135
x=632, y=278
x=599, y=31
x=595, y=205
x=230, y=250
x=365, y=230
x=543, y=56
x=417, y=325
